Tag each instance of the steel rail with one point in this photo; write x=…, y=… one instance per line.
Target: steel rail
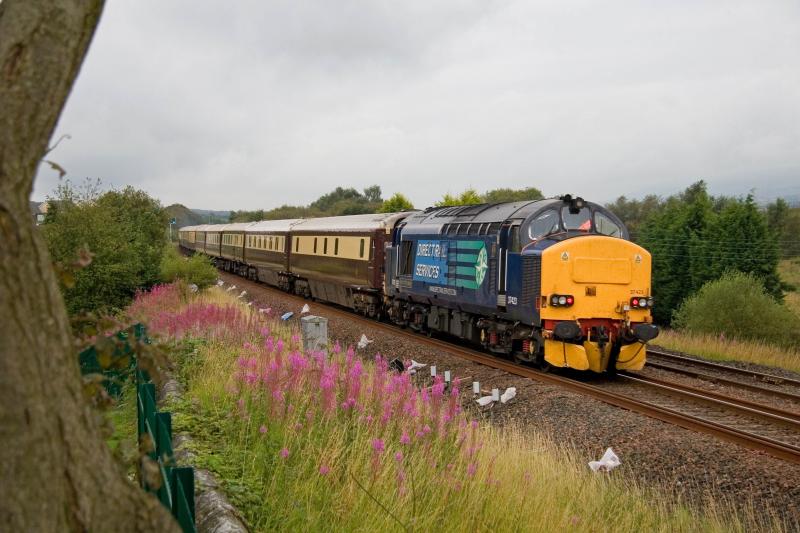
x=723, y=381
x=769, y=378
x=755, y=442
x=677, y=390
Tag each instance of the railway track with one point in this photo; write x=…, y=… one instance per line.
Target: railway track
x=723, y=375
x=669, y=413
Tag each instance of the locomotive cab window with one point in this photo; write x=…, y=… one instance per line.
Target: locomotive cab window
x=543, y=225
x=605, y=225
x=580, y=221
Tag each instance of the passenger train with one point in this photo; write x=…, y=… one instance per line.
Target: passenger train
x=552, y=283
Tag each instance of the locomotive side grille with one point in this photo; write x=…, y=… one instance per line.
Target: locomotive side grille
x=531, y=278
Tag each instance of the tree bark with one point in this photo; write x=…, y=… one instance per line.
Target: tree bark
x=56, y=472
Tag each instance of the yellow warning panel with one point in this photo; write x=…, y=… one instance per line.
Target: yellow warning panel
x=564, y=354
x=598, y=359
x=632, y=357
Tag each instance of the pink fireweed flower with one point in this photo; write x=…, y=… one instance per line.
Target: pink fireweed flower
x=284, y=453
x=337, y=348
x=279, y=345
x=262, y=429
x=377, y=445
x=398, y=457
x=471, y=469
x=298, y=426
x=265, y=332
x=405, y=439
x=323, y=470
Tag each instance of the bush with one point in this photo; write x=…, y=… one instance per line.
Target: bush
x=738, y=306
x=109, y=244
x=196, y=269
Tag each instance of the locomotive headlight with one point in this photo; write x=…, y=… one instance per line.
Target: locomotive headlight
x=570, y=300
x=642, y=303
x=635, y=302
x=649, y=302
x=554, y=300
x=562, y=300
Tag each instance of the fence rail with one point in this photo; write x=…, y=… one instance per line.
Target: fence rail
x=174, y=486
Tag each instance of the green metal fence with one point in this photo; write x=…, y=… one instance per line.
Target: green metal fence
x=174, y=486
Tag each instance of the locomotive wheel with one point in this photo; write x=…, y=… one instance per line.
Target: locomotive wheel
x=523, y=358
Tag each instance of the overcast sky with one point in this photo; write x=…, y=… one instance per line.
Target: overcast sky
x=251, y=104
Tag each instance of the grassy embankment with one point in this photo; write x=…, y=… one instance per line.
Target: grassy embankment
x=719, y=348
x=318, y=442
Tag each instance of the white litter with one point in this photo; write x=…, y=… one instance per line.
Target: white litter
x=484, y=401
x=305, y=309
x=249, y=303
x=220, y=283
x=607, y=463
x=363, y=342
x=193, y=287
x=287, y=315
x=241, y=294
x=229, y=289
x=508, y=394
x=416, y=366
x=266, y=310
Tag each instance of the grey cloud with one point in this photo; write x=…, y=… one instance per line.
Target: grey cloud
x=257, y=104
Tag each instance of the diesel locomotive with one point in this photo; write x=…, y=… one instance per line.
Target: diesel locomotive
x=552, y=283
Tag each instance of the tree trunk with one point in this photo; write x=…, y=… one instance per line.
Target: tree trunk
x=56, y=472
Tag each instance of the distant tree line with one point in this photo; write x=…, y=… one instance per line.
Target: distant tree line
x=348, y=201
x=695, y=238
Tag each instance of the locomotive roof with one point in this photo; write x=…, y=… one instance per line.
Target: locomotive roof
x=368, y=222
x=480, y=213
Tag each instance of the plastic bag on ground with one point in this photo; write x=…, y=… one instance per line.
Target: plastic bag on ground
x=484, y=401
x=607, y=463
x=287, y=315
x=305, y=309
x=363, y=342
x=508, y=394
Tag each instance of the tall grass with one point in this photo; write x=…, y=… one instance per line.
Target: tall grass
x=314, y=441
x=721, y=348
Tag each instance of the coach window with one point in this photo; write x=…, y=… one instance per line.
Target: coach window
x=336, y=246
x=361, y=249
x=325, y=246
x=605, y=225
x=315, y=245
x=297, y=244
x=544, y=224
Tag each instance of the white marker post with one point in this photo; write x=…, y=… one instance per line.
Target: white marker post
x=433, y=371
x=495, y=395
x=447, y=376
x=476, y=388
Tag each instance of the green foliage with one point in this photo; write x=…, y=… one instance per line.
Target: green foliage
x=694, y=238
x=125, y=233
x=633, y=213
x=397, y=203
x=512, y=195
x=196, y=269
x=738, y=305
x=340, y=201
x=468, y=197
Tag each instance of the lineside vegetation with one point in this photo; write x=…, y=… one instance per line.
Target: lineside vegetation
x=334, y=442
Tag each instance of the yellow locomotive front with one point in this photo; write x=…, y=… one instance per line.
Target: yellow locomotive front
x=595, y=304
